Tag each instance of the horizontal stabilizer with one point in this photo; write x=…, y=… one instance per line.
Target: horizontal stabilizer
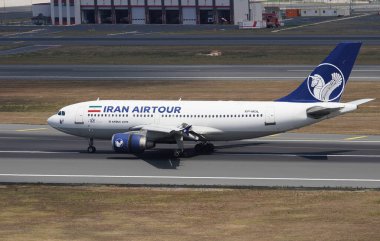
x=360, y=102
x=318, y=112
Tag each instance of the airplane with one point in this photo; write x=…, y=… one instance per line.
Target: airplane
x=134, y=126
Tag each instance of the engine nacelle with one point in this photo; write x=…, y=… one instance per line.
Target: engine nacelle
x=130, y=143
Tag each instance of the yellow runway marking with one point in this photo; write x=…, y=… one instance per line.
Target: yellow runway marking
x=355, y=138
x=36, y=129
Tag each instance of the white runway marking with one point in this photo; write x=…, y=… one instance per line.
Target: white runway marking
x=312, y=24
x=27, y=32
x=355, y=138
x=114, y=34
x=297, y=155
x=35, y=129
x=177, y=77
x=312, y=140
x=40, y=152
x=190, y=177
x=358, y=70
x=221, y=153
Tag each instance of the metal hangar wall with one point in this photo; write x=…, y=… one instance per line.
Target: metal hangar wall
x=68, y=12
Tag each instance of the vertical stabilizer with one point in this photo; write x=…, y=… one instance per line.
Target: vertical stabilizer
x=328, y=80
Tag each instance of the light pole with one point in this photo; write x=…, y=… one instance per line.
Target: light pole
x=350, y=7
x=3, y=18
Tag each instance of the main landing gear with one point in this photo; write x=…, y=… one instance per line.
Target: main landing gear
x=180, y=151
x=91, y=148
x=204, y=148
x=200, y=148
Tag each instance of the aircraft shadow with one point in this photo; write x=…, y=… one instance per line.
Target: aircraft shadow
x=159, y=158
x=320, y=156
x=163, y=158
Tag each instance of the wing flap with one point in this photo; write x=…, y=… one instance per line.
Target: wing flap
x=187, y=131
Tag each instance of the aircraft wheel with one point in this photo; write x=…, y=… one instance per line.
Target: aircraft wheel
x=199, y=147
x=209, y=148
x=91, y=149
x=178, y=153
x=205, y=148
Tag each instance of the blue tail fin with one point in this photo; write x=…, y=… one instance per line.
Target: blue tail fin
x=328, y=80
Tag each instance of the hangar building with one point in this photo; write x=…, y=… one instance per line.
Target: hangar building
x=68, y=12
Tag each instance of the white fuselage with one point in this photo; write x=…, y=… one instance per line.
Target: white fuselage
x=215, y=120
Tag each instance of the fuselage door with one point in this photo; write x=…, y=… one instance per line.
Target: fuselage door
x=79, y=115
x=156, y=118
x=270, y=118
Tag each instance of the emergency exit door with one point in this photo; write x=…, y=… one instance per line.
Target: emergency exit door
x=79, y=115
x=270, y=117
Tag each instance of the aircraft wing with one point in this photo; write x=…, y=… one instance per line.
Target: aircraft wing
x=185, y=130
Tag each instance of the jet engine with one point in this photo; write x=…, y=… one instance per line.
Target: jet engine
x=130, y=143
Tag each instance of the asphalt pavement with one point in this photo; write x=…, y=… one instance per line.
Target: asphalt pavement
x=34, y=154
x=172, y=72
x=192, y=40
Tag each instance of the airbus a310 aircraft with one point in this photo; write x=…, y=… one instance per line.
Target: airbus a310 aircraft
x=134, y=126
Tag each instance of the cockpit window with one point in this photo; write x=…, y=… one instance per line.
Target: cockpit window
x=61, y=113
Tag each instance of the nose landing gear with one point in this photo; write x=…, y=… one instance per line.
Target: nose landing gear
x=91, y=148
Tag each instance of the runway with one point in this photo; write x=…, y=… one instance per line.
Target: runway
x=40, y=154
x=172, y=72
x=153, y=39
x=192, y=40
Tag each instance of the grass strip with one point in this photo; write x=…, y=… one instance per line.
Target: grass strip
x=243, y=54
x=122, y=213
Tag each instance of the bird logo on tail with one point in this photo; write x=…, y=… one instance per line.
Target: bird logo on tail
x=322, y=90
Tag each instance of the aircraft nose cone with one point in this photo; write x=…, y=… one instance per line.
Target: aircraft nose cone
x=52, y=121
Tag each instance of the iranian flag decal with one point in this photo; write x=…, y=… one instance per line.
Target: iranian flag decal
x=94, y=108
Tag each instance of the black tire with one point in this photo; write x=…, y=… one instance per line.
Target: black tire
x=177, y=153
x=91, y=149
x=199, y=148
x=209, y=148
